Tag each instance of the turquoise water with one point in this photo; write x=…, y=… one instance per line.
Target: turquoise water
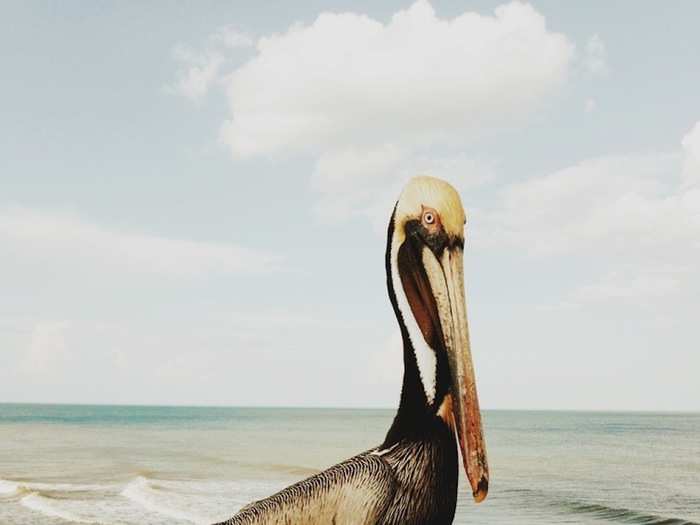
x=177, y=465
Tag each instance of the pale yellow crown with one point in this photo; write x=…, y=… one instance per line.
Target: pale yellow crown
x=433, y=193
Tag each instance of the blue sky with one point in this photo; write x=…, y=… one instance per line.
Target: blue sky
x=193, y=198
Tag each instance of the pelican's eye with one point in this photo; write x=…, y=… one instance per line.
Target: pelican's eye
x=429, y=218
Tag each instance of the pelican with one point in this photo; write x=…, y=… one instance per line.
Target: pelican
x=412, y=477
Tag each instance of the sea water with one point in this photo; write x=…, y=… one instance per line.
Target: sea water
x=177, y=465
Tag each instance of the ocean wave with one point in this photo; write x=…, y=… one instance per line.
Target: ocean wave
x=50, y=508
x=197, y=500
x=145, y=492
x=8, y=487
x=142, y=499
x=622, y=515
x=80, y=503
x=13, y=488
x=597, y=511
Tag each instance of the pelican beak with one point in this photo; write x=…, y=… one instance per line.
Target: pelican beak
x=446, y=277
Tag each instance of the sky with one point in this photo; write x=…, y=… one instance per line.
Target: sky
x=194, y=198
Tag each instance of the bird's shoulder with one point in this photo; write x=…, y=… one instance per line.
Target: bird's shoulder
x=356, y=491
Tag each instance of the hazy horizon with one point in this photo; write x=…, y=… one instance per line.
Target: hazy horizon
x=381, y=408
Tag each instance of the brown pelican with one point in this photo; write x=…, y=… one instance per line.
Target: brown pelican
x=411, y=478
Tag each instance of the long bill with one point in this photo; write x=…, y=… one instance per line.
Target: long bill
x=446, y=278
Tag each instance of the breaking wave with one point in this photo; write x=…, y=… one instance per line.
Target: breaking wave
x=146, y=493
x=8, y=488
x=49, y=508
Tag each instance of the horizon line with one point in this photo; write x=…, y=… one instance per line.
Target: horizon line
x=330, y=407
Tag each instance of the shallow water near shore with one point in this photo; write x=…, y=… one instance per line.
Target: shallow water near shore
x=180, y=465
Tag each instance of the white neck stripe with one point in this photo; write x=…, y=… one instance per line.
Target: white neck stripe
x=425, y=356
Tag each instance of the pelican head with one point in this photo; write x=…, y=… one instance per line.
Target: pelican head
x=426, y=285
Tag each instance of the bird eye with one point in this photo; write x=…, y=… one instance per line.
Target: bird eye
x=428, y=217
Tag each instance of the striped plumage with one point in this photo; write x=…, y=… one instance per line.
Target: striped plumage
x=411, y=483
x=412, y=477
x=356, y=491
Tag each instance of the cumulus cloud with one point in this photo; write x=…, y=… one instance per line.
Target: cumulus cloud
x=229, y=37
x=638, y=213
x=200, y=70
x=61, y=236
x=605, y=254
x=349, y=79
x=367, y=97
x=618, y=202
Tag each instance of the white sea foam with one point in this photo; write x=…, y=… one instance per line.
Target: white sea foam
x=103, y=508
x=141, y=500
x=142, y=492
x=51, y=508
x=8, y=488
x=12, y=488
x=197, y=501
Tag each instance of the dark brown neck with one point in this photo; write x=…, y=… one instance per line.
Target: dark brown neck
x=416, y=415
x=415, y=419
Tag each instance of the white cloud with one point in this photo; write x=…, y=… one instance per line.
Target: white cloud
x=623, y=203
x=348, y=80
x=231, y=38
x=590, y=105
x=200, y=70
x=637, y=215
x=596, y=59
x=61, y=236
x=200, y=73
x=368, y=98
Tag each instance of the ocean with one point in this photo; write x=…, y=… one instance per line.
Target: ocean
x=64, y=464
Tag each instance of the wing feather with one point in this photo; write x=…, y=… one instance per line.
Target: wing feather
x=357, y=491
